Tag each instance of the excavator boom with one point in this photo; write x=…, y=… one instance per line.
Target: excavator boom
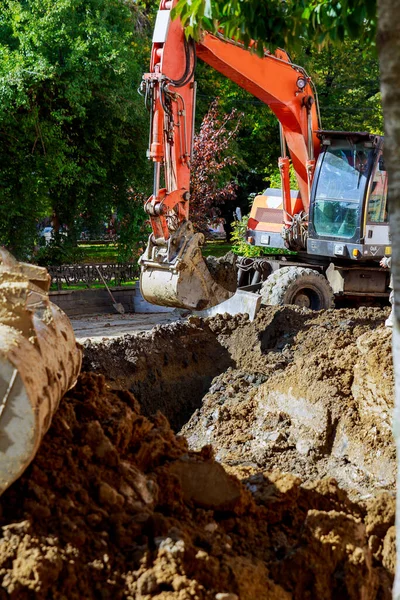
x=173, y=271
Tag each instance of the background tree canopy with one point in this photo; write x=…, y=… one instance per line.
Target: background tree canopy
x=74, y=131
x=72, y=125
x=277, y=23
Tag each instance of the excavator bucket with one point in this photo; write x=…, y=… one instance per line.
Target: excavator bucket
x=39, y=361
x=176, y=274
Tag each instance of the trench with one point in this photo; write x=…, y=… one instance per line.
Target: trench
x=291, y=390
x=169, y=369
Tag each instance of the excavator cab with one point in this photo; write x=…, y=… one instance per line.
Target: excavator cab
x=348, y=202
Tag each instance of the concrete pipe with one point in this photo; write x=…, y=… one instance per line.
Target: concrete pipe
x=39, y=361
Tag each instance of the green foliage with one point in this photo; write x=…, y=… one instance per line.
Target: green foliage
x=59, y=251
x=133, y=229
x=346, y=78
x=277, y=23
x=71, y=123
x=273, y=178
x=240, y=246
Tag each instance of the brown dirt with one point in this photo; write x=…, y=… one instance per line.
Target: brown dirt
x=223, y=270
x=115, y=506
x=310, y=393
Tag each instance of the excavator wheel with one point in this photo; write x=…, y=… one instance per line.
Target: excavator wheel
x=299, y=286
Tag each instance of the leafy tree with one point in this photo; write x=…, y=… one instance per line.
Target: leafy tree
x=346, y=77
x=277, y=23
x=71, y=123
x=211, y=171
x=240, y=246
x=133, y=228
x=59, y=251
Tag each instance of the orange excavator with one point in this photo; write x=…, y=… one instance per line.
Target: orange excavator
x=336, y=221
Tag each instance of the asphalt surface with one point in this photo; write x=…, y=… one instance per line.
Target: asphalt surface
x=98, y=327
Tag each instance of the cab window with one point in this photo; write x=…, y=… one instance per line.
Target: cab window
x=377, y=211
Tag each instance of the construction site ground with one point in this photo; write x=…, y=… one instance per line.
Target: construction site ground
x=214, y=459
x=98, y=327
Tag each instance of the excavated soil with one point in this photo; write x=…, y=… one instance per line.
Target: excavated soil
x=309, y=394
x=116, y=506
x=290, y=498
x=169, y=368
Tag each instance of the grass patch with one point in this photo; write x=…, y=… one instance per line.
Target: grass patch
x=216, y=248
x=108, y=253
x=93, y=286
x=98, y=253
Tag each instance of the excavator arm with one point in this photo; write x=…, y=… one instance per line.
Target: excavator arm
x=173, y=271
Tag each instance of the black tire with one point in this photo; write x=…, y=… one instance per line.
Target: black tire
x=299, y=286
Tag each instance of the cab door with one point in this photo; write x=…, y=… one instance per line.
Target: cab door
x=377, y=217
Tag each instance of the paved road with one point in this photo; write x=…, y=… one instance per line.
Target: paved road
x=98, y=327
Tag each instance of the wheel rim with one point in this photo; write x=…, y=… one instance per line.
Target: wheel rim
x=308, y=298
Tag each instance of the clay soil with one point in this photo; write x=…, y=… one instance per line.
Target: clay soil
x=276, y=481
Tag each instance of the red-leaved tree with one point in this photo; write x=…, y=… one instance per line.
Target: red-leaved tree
x=212, y=183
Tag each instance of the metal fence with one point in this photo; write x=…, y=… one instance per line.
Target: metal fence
x=113, y=274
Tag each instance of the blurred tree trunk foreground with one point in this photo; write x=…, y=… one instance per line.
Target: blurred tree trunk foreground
x=389, y=58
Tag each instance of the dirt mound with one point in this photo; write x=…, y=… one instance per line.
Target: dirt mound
x=116, y=506
x=305, y=392
x=223, y=270
x=310, y=394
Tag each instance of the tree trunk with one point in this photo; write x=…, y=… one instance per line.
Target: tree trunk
x=55, y=221
x=389, y=59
